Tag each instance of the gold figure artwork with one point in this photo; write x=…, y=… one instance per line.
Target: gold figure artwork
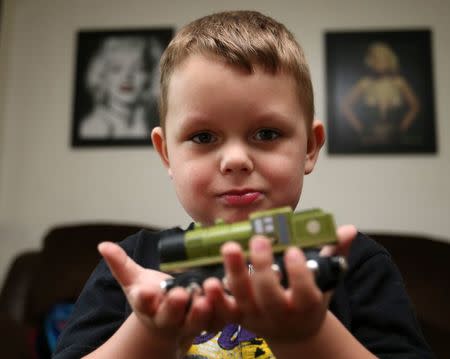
x=389, y=100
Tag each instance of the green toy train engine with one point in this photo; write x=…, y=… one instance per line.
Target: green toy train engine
x=194, y=255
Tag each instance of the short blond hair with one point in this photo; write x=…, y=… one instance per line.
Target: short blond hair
x=381, y=49
x=244, y=39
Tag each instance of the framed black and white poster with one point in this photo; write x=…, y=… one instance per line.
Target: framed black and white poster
x=117, y=86
x=380, y=93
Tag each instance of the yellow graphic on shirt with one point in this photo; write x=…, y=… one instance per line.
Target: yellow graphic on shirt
x=233, y=348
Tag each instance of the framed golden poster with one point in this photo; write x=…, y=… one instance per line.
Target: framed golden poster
x=380, y=94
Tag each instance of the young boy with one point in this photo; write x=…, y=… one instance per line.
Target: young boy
x=237, y=135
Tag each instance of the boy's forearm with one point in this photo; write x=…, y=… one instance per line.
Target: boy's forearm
x=134, y=340
x=332, y=341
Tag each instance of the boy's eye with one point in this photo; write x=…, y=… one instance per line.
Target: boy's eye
x=203, y=138
x=266, y=134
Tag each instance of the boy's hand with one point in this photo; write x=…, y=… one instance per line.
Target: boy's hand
x=175, y=318
x=263, y=306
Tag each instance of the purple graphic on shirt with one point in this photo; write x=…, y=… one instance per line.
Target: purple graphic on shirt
x=203, y=338
x=226, y=340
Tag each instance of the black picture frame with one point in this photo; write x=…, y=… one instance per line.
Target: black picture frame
x=380, y=92
x=115, y=95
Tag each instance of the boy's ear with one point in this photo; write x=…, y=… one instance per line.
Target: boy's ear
x=160, y=145
x=316, y=139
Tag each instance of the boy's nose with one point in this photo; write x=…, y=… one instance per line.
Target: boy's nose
x=235, y=159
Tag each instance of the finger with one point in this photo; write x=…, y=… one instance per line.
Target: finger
x=327, y=297
x=144, y=299
x=346, y=234
x=237, y=277
x=261, y=253
x=199, y=315
x=327, y=251
x=266, y=284
x=124, y=269
x=303, y=290
x=223, y=306
x=172, y=309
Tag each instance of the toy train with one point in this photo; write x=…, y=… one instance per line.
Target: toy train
x=194, y=255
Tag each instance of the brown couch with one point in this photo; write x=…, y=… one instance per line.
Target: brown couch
x=425, y=266
x=38, y=279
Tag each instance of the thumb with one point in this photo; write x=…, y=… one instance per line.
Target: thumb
x=123, y=268
x=345, y=235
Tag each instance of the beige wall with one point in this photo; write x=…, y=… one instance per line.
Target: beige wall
x=3, y=87
x=44, y=182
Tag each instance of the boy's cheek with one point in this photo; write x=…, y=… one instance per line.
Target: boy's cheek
x=197, y=178
x=193, y=182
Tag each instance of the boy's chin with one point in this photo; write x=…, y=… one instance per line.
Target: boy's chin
x=237, y=215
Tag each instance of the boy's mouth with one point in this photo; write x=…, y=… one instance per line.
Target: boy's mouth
x=241, y=198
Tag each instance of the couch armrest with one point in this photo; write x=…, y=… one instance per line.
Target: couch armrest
x=14, y=338
x=14, y=293
x=425, y=267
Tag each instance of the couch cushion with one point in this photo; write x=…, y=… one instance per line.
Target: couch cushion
x=68, y=257
x=425, y=266
x=17, y=285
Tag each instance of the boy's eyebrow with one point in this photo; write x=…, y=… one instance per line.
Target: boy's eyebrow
x=274, y=116
x=198, y=122
x=193, y=121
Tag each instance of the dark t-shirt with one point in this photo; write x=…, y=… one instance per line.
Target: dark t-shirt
x=371, y=302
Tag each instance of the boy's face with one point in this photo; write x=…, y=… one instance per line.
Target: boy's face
x=234, y=142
